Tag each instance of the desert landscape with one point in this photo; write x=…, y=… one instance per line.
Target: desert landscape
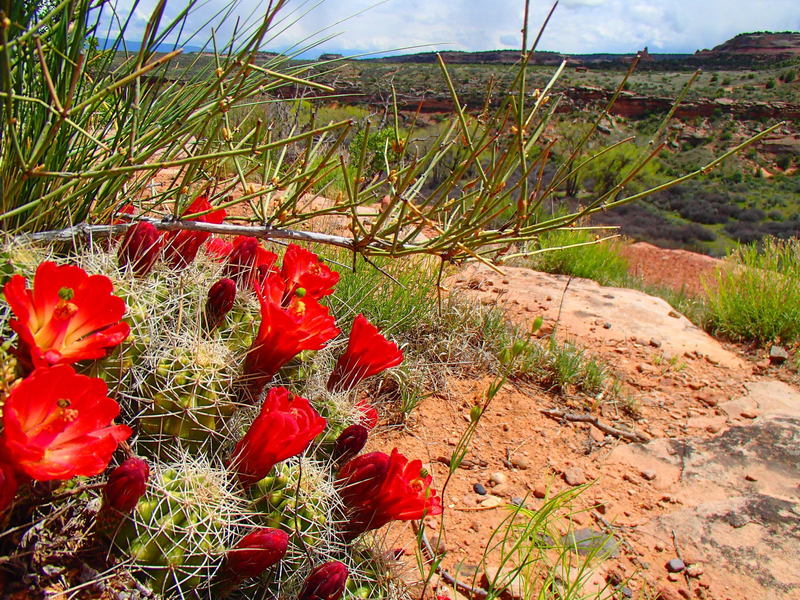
x=459, y=325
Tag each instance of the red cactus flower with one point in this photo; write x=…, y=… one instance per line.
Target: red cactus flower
x=58, y=424
x=181, y=247
x=325, y=582
x=284, y=428
x=246, y=260
x=377, y=489
x=220, y=301
x=369, y=416
x=284, y=332
x=350, y=442
x=218, y=249
x=8, y=485
x=126, y=484
x=256, y=552
x=368, y=353
x=140, y=248
x=305, y=275
x=68, y=315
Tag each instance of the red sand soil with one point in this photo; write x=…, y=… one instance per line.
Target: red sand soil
x=533, y=455
x=677, y=269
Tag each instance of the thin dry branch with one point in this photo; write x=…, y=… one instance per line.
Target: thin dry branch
x=262, y=232
x=631, y=436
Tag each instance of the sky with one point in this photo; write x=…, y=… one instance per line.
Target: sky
x=578, y=26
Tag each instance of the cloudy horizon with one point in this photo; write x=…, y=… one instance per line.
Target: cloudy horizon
x=577, y=27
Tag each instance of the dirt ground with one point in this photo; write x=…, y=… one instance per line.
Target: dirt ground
x=671, y=497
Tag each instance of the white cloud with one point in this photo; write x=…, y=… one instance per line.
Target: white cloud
x=577, y=26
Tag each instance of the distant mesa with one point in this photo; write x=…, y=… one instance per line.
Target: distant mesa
x=762, y=43
x=743, y=51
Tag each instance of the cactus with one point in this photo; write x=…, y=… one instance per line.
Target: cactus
x=177, y=531
x=241, y=322
x=188, y=395
x=299, y=368
x=372, y=575
x=306, y=511
x=8, y=369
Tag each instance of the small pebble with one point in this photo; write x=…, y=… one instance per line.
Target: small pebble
x=539, y=491
x=658, y=547
x=649, y=475
x=606, y=325
x=520, y=462
x=673, y=577
x=502, y=489
x=479, y=489
x=750, y=477
x=498, y=478
x=626, y=592
x=694, y=570
x=749, y=414
x=574, y=476
x=517, y=501
x=675, y=565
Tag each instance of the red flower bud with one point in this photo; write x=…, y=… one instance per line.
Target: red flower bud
x=368, y=353
x=140, y=248
x=126, y=484
x=256, y=552
x=8, y=485
x=248, y=261
x=220, y=301
x=181, y=247
x=350, y=442
x=326, y=582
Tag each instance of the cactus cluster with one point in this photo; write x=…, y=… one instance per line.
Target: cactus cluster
x=179, y=386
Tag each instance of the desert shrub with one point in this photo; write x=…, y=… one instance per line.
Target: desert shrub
x=605, y=170
x=784, y=161
x=380, y=147
x=757, y=294
x=752, y=215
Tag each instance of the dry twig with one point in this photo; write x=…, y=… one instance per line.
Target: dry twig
x=631, y=436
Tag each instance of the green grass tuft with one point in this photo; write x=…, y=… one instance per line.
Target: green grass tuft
x=757, y=295
x=601, y=261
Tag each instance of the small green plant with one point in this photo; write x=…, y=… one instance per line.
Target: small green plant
x=756, y=295
x=578, y=252
x=535, y=554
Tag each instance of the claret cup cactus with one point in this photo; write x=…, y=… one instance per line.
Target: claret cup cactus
x=228, y=479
